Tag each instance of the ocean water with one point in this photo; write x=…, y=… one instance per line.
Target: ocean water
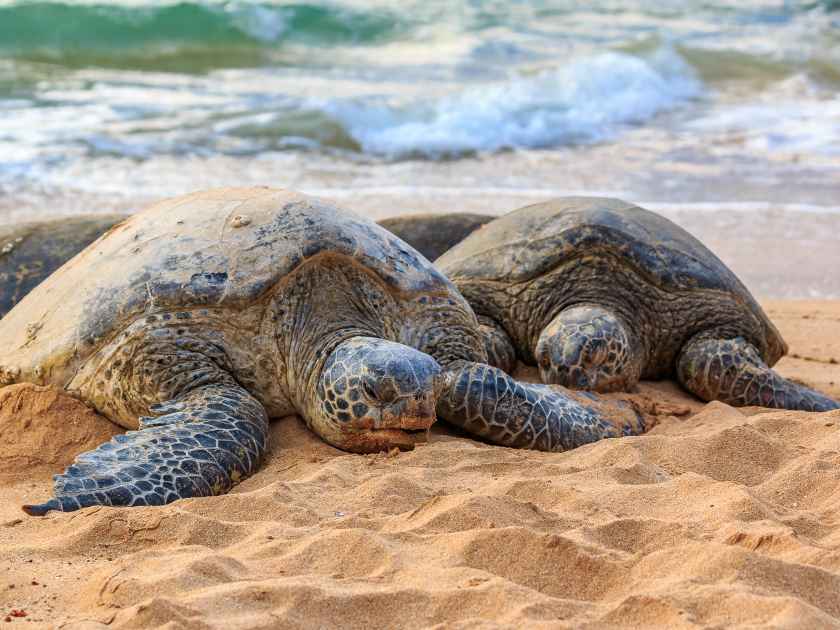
x=420, y=104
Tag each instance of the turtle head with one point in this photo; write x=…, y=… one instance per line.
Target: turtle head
x=374, y=395
x=588, y=347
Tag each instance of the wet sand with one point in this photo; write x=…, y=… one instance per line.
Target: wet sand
x=717, y=517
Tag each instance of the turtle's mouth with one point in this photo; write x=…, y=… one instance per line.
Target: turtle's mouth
x=377, y=440
x=419, y=436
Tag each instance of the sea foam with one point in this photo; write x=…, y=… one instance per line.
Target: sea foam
x=588, y=100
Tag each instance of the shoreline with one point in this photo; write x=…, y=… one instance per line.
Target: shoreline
x=778, y=250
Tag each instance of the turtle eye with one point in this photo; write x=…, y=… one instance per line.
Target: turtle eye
x=545, y=361
x=369, y=389
x=382, y=392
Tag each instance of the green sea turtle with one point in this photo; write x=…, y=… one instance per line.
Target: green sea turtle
x=600, y=293
x=433, y=234
x=197, y=319
x=29, y=252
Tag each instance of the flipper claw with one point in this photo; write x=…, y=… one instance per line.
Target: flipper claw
x=41, y=509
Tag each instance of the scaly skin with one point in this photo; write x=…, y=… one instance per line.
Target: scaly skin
x=497, y=344
x=383, y=390
x=600, y=293
x=658, y=320
x=650, y=341
x=731, y=370
x=210, y=433
x=488, y=403
x=202, y=443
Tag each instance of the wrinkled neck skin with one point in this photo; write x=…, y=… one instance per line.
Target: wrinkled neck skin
x=445, y=327
x=331, y=303
x=325, y=302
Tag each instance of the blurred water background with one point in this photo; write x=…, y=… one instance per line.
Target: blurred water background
x=413, y=105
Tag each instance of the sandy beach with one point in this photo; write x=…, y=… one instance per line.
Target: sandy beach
x=718, y=517
x=722, y=117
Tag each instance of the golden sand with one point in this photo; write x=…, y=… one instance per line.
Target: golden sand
x=717, y=517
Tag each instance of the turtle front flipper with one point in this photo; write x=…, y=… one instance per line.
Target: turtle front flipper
x=731, y=370
x=488, y=403
x=202, y=443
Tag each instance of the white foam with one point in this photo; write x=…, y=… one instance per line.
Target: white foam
x=588, y=100
x=794, y=115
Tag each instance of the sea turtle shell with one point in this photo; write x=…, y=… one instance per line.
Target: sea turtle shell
x=434, y=234
x=30, y=252
x=216, y=249
x=532, y=241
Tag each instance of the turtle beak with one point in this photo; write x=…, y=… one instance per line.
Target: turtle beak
x=401, y=424
x=411, y=413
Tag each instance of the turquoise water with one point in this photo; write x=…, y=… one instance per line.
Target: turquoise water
x=181, y=36
x=92, y=93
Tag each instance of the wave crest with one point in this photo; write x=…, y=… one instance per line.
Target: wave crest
x=120, y=35
x=586, y=101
